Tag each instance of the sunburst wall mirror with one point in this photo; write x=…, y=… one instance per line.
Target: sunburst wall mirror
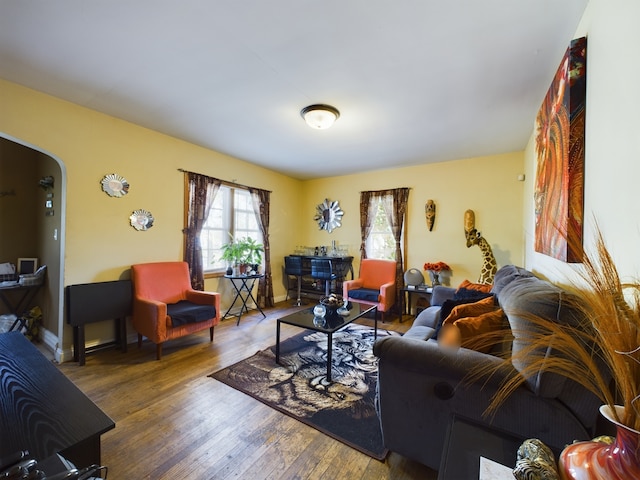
x=329, y=215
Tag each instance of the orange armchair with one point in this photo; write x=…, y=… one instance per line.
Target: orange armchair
x=376, y=284
x=166, y=307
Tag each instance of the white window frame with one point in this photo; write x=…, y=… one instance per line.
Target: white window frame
x=232, y=216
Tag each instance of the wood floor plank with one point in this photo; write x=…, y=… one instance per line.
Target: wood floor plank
x=174, y=422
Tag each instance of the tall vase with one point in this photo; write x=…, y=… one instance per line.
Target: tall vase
x=601, y=461
x=435, y=278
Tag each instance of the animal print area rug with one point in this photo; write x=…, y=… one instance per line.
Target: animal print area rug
x=344, y=408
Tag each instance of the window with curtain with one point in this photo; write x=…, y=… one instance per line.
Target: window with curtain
x=382, y=226
x=380, y=242
x=232, y=215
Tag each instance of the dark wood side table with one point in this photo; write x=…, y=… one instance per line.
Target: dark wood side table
x=42, y=410
x=408, y=291
x=467, y=441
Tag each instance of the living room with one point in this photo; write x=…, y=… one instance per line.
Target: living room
x=100, y=245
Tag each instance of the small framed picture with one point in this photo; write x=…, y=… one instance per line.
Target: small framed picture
x=27, y=266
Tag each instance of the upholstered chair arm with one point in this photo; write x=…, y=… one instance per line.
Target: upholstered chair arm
x=150, y=318
x=387, y=294
x=203, y=298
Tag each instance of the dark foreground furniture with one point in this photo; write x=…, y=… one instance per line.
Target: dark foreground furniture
x=421, y=384
x=97, y=302
x=42, y=411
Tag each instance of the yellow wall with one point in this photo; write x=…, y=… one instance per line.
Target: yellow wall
x=100, y=245
x=488, y=185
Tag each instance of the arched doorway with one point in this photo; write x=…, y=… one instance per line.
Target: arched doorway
x=32, y=220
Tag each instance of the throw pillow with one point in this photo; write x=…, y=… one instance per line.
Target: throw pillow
x=471, y=310
x=445, y=310
x=479, y=287
x=474, y=331
x=472, y=295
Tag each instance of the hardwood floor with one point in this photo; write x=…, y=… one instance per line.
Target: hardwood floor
x=173, y=422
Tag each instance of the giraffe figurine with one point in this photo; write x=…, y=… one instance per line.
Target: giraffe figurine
x=489, y=265
x=474, y=237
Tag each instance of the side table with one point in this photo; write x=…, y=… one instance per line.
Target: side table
x=408, y=291
x=243, y=283
x=467, y=441
x=19, y=303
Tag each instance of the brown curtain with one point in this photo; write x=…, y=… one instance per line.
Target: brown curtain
x=366, y=222
x=261, y=206
x=394, y=203
x=201, y=192
x=395, y=208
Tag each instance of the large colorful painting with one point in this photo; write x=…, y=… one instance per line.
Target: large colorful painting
x=559, y=187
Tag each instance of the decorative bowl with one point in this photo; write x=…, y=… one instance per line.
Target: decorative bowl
x=332, y=302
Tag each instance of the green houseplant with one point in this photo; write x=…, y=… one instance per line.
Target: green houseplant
x=242, y=252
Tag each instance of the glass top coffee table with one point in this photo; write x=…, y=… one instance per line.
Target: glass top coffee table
x=331, y=323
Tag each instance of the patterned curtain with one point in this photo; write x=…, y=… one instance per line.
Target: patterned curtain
x=394, y=204
x=201, y=192
x=366, y=221
x=261, y=206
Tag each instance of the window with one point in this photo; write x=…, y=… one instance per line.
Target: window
x=380, y=242
x=231, y=215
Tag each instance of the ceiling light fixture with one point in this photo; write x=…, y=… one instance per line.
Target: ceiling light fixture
x=320, y=116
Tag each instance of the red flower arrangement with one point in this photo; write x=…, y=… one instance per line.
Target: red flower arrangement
x=436, y=267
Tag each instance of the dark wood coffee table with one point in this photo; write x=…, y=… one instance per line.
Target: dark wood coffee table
x=333, y=322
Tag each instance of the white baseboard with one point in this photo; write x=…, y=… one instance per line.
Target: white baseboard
x=51, y=342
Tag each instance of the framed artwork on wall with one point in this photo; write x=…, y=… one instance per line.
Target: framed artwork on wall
x=560, y=140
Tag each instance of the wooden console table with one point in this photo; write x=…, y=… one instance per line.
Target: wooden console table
x=42, y=410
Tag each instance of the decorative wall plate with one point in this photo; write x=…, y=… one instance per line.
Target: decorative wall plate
x=328, y=215
x=141, y=220
x=114, y=185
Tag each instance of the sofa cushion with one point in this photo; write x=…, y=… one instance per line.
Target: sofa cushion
x=521, y=299
x=440, y=294
x=366, y=294
x=505, y=275
x=184, y=312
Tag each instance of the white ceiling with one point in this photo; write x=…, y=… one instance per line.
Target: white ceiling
x=416, y=81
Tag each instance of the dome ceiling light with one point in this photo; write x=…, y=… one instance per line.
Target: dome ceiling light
x=320, y=116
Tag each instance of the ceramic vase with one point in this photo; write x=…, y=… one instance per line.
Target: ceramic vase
x=597, y=460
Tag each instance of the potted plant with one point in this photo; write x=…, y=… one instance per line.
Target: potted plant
x=253, y=253
x=239, y=253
